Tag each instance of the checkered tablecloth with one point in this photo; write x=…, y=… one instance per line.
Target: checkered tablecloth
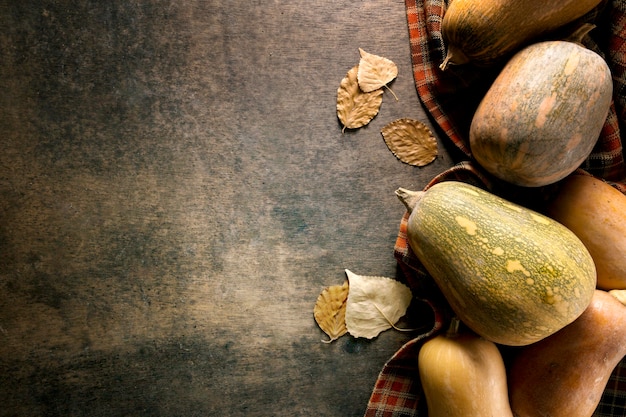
x=450, y=98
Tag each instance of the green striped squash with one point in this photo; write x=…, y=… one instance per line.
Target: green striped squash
x=512, y=275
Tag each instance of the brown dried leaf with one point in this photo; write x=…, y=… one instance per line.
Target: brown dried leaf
x=411, y=141
x=375, y=72
x=330, y=311
x=356, y=108
x=374, y=304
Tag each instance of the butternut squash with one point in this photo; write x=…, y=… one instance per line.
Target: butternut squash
x=463, y=375
x=596, y=213
x=485, y=32
x=512, y=275
x=620, y=295
x=565, y=374
x=542, y=116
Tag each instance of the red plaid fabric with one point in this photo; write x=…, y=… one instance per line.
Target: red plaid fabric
x=450, y=98
x=397, y=392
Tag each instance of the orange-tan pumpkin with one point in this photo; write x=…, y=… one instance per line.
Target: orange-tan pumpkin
x=565, y=374
x=543, y=114
x=596, y=213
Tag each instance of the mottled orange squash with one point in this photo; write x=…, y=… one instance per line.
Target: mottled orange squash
x=542, y=116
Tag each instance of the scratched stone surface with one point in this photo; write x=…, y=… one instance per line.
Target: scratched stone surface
x=175, y=192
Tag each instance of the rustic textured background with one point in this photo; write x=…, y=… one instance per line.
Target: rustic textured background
x=176, y=192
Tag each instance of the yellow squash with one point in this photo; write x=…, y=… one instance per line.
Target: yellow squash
x=463, y=375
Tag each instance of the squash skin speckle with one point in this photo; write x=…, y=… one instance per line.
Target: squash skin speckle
x=513, y=280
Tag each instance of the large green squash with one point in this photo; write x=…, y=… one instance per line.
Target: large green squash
x=542, y=116
x=512, y=275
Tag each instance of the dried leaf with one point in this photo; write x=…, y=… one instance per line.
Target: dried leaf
x=375, y=72
x=411, y=141
x=330, y=311
x=356, y=108
x=374, y=304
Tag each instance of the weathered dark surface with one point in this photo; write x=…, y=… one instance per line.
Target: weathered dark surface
x=176, y=192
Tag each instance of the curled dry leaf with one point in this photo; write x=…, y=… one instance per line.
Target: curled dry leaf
x=411, y=141
x=330, y=311
x=374, y=304
x=375, y=72
x=356, y=108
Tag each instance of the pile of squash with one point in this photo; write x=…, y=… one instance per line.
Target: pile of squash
x=536, y=284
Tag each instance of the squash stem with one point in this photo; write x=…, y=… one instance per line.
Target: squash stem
x=580, y=32
x=409, y=198
x=454, y=57
x=453, y=329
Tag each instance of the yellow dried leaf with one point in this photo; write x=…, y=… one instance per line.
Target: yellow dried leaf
x=375, y=72
x=411, y=141
x=356, y=108
x=374, y=304
x=330, y=311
